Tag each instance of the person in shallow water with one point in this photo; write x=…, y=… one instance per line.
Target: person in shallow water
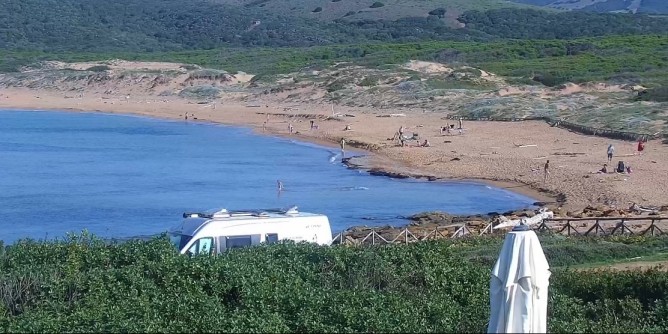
x=279, y=184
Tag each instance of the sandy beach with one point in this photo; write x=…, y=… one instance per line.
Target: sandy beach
x=509, y=155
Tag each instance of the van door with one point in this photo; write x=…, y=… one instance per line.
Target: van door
x=202, y=246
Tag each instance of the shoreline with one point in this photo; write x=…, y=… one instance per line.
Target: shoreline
x=506, y=155
x=515, y=187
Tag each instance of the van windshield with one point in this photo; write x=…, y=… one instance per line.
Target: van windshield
x=179, y=240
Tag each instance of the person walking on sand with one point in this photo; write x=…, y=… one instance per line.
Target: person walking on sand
x=641, y=146
x=611, y=151
x=546, y=171
x=290, y=128
x=460, y=123
x=343, y=148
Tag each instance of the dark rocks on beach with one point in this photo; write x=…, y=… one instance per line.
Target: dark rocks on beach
x=379, y=172
x=527, y=213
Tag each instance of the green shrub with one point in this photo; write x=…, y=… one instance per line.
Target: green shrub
x=369, y=81
x=317, y=10
x=440, y=12
x=658, y=94
x=377, y=4
x=550, y=80
x=99, y=68
x=210, y=74
x=204, y=91
x=84, y=284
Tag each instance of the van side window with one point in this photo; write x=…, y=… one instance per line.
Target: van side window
x=202, y=246
x=237, y=241
x=271, y=238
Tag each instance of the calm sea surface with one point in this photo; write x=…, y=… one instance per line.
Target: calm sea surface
x=122, y=176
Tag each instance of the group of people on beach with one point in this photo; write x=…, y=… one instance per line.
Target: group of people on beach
x=403, y=139
x=621, y=166
x=448, y=128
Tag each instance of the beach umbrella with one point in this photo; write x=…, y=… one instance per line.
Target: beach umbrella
x=518, y=287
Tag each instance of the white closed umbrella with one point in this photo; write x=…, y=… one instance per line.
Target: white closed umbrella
x=518, y=288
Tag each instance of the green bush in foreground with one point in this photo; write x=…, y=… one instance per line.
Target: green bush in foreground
x=84, y=284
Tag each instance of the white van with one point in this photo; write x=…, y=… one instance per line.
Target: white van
x=212, y=233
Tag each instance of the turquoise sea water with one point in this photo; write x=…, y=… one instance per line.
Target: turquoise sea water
x=123, y=176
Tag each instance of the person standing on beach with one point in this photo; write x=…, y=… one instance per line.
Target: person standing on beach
x=641, y=146
x=461, y=126
x=546, y=171
x=611, y=151
x=290, y=128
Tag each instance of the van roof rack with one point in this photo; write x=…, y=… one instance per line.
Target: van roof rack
x=224, y=213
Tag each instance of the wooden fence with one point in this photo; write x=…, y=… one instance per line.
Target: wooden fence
x=653, y=225
x=587, y=130
x=594, y=226
x=405, y=236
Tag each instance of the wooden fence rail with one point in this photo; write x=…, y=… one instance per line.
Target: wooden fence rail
x=605, y=226
x=404, y=237
x=587, y=130
x=599, y=226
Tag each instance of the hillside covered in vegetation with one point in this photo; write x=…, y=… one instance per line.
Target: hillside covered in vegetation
x=603, y=6
x=164, y=25
x=84, y=285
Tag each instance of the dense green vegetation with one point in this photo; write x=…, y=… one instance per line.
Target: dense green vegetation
x=531, y=24
x=644, y=6
x=631, y=59
x=169, y=25
x=361, y=9
x=84, y=285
